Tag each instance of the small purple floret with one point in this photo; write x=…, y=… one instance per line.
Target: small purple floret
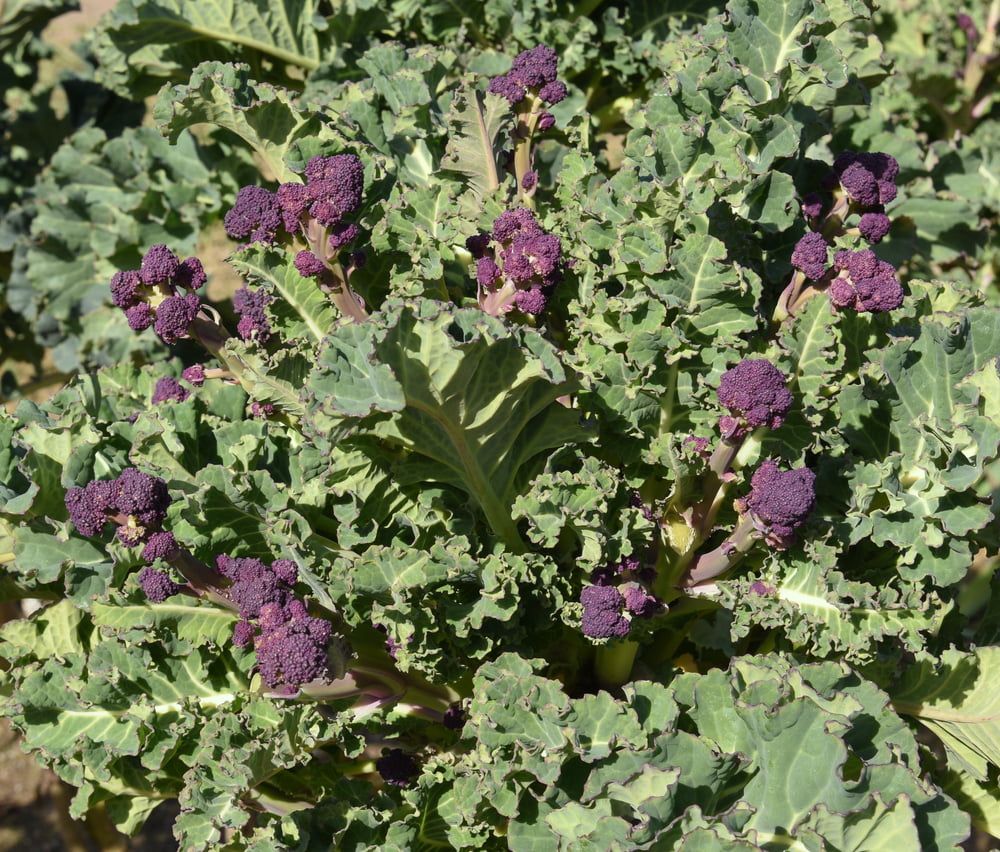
x=529, y=181
x=125, y=287
x=255, y=215
x=602, y=613
x=168, y=389
x=810, y=255
x=190, y=274
x=874, y=226
x=140, y=317
x=812, y=205
x=308, y=265
x=159, y=265
x=160, y=545
x=554, y=92
x=175, y=315
x=157, y=585
x=194, y=375
x=756, y=392
x=780, y=501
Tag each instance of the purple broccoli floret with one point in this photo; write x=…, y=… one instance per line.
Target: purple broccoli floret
x=140, y=317
x=397, y=768
x=760, y=589
x=295, y=652
x=532, y=255
x=478, y=245
x=159, y=265
x=168, y=389
x=508, y=87
x=614, y=572
x=639, y=602
x=255, y=585
x=602, y=612
x=157, y=585
x=190, y=274
x=812, y=205
x=90, y=506
x=262, y=410
x=160, y=545
x=865, y=283
x=546, y=121
x=142, y=497
x=874, y=226
x=294, y=200
x=251, y=306
x=286, y=571
x=780, y=501
x=308, y=265
x=868, y=178
x=342, y=234
x=487, y=272
x=335, y=186
x=756, y=394
x=174, y=316
x=125, y=288
x=255, y=215
x=512, y=223
x=810, y=255
x=532, y=301
x=244, y=633
x=535, y=67
x=554, y=92
x=529, y=181
x=194, y=375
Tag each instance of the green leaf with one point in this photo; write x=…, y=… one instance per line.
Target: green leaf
x=476, y=120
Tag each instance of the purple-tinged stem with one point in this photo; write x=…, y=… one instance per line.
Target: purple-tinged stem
x=725, y=556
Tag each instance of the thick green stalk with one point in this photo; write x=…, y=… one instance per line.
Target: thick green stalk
x=613, y=665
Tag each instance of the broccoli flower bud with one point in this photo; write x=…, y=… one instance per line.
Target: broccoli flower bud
x=865, y=283
x=812, y=205
x=141, y=496
x=295, y=652
x=286, y=571
x=508, y=87
x=194, y=375
x=533, y=301
x=547, y=121
x=251, y=306
x=174, y=316
x=190, y=274
x=261, y=410
x=512, y=223
x=397, y=768
x=529, y=181
x=342, y=234
x=874, y=226
x=779, y=501
x=89, y=506
x=168, y=389
x=756, y=394
x=161, y=545
x=294, y=200
x=157, y=585
x=639, y=602
x=255, y=216
x=244, y=633
x=532, y=70
x=478, y=245
x=487, y=272
x=125, y=288
x=810, y=255
x=335, y=186
x=602, y=613
x=140, y=317
x=869, y=179
x=554, y=92
x=308, y=265
x=159, y=265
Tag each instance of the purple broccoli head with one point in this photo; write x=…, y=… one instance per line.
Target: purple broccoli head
x=335, y=186
x=756, y=394
x=294, y=200
x=157, y=585
x=865, y=283
x=874, y=226
x=160, y=545
x=255, y=215
x=810, y=255
x=262, y=410
x=254, y=586
x=194, y=375
x=512, y=223
x=478, y=245
x=812, y=205
x=190, y=274
x=397, y=768
x=342, y=234
x=529, y=181
x=286, y=571
x=174, y=316
x=508, y=87
x=308, y=265
x=639, y=602
x=869, y=179
x=142, y=497
x=125, y=288
x=159, y=265
x=293, y=653
x=140, y=317
x=535, y=67
x=554, y=92
x=251, y=306
x=168, y=389
x=780, y=501
x=244, y=633
x=602, y=613
x=90, y=506
x=487, y=272
x=532, y=301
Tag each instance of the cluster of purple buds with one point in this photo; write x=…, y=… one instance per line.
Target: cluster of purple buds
x=608, y=611
x=868, y=180
x=756, y=394
x=290, y=645
x=251, y=307
x=779, y=502
x=331, y=194
x=157, y=585
x=135, y=501
x=865, y=283
x=518, y=266
x=161, y=293
x=533, y=72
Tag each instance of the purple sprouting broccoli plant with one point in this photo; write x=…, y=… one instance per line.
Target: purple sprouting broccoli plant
x=157, y=585
x=256, y=216
x=161, y=294
x=292, y=646
x=168, y=389
x=779, y=502
x=135, y=501
x=756, y=394
x=519, y=264
x=397, y=768
x=810, y=255
x=865, y=283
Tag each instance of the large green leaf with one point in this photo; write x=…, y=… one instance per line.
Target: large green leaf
x=477, y=120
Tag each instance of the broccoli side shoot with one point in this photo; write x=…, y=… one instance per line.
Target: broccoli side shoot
x=779, y=502
x=756, y=394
